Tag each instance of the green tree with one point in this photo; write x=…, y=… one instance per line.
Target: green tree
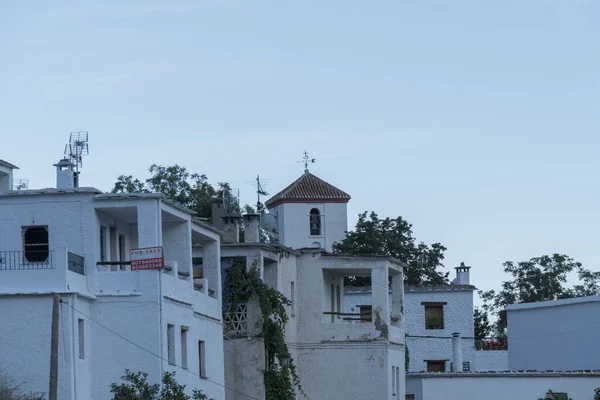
x=538, y=279
x=136, y=387
x=191, y=190
x=482, y=324
x=393, y=237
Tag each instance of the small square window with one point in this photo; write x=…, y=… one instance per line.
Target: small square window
x=436, y=366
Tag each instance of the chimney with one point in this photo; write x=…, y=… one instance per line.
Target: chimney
x=252, y=228
x=217, y=213
x=456, y=353
x=231, y=226
x=6, y=176
x=66, y=177
x=462, y=275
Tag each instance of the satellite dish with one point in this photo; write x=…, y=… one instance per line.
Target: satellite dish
x=268, y=222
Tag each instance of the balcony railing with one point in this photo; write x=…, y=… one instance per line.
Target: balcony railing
x=26, y=260
x=362, y=317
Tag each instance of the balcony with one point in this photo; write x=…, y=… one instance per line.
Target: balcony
x=42, y=271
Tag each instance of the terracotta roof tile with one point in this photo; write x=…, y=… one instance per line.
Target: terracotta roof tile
x=309, y=189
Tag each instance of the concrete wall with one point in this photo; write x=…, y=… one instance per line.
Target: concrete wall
x=524, y=386
x=458, y=317
x=490, y=360
x=294, y=224
x=244, y=366
x=25, y=329
x=556, y=335
x=346, y=371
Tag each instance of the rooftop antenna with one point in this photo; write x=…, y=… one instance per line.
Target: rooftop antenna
x=77, y=148
x=260, y=191
x=306, y=160
x=22, y=184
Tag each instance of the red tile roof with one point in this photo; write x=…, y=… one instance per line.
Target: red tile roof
x=309, y=189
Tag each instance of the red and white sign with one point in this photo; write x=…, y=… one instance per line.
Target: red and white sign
x=147, y=258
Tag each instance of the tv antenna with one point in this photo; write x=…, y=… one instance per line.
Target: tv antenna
x=260, y=191
x=77, y=148
x=306, y=160
x=22, y=184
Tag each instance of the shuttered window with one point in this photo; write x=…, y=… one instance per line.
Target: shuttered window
x=436, y=366
x=434, y=315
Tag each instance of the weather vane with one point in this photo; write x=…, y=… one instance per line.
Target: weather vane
x=306, y=160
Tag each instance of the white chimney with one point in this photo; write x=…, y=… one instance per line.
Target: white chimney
x=456, y=353
x=251, y=228
x=6, y=176
x=231, y=226
x=65, y=175
x=462, y=275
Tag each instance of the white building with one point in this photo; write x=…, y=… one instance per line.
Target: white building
x=434, y=313
x=522, y=385
x=75, y=241
x=310, y=213
x=554, y=335
x=336, y=357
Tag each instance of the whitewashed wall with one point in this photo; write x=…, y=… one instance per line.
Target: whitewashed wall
x=500, y=387
x=491, y=360
x=294, y=224
x=557, y=335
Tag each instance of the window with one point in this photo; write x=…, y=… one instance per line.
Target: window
x=201, y=359
x=184, y=358
x=35, y=243
x=81, y=332
x=293, y=298
x=393, y=381
x=436, y=366
x=171, y=343
x=366, y=313
x=102, y=243
x=410, y=397
x=434, y=315
x=315, y=222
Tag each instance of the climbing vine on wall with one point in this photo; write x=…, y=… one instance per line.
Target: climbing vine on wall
x=281, y=380
x=406, y=354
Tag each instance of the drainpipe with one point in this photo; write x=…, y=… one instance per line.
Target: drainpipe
x=456, y=352
x=73, y=356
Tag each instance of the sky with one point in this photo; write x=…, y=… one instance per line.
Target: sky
x=476, y=121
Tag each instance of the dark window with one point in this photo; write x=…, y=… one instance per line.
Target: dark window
x=366, y=313
x=201, y=359
x=35, y=243
x=315, y=222
x=434, y=316
x=436, y=366
x=102, y=243
x=122, y=255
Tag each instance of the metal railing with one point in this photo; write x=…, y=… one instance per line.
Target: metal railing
x=362, y=317
x=76, y=263
x=26, y=260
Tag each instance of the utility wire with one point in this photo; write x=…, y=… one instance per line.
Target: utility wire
x=154, y=354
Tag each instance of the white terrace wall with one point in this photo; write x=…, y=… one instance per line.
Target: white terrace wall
x=500, y=387
x=491, y=360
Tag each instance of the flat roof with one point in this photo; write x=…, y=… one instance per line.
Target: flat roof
x=7, y=164
x=415, y=288
x=138, y=195
x=507, y=374
x=364, y=257
x=553, y=303
x=51, y=191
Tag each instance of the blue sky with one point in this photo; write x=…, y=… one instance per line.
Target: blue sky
x=476, y=121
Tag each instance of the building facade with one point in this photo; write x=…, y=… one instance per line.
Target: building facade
x=76, y=242
x=329, y=347
x=434, y=313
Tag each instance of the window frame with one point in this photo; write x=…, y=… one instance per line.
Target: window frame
x=35, y=254
x=184, y=346
x=171, y=357
x=434, y=305
x=436, y=362
x=202, y=359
